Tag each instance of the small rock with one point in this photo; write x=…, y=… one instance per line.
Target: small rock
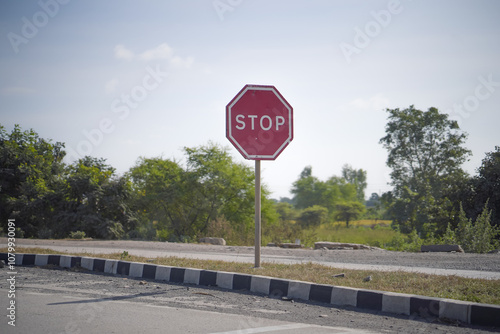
x=2, y=263
x=287, y=299
x=143, y=283
x=367, y=279
x=323, y=316
x=441, y=248
x=290, y=245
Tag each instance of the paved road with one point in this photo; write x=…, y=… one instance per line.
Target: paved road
x=54, y=300
x=467, y=265
x=55, y=313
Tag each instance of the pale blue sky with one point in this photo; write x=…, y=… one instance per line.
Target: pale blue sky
x=145, y=78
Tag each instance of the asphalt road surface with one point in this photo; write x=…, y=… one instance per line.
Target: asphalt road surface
x=55, y=300
x=460, y=264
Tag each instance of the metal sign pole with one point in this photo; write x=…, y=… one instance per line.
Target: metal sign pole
x=257, y=214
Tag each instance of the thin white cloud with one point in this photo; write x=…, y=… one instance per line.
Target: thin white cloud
x=111, y=85
x=123, y=53
x=377, y=102
x=181, y=62
x=161, y=52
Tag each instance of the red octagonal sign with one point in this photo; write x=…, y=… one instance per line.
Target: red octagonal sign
x=259, y=122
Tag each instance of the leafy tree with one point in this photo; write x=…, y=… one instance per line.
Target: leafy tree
x=158, y=187
x=357, y=177
x=211, y=189
x=306, y=189
x=349, y=211
x=425, y=154
x=29, y=176
x=286, y=211
x=50, y=199
x=285, y=229
x=223, y=187
x=485, y=188
x=374, y=200
x=313, y=216
x=93, y=200
x=310, y=191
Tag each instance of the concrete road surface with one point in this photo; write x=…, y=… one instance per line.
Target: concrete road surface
x=55, y=313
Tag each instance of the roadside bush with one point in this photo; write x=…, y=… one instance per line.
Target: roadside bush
x=410, y=243
x=19, y=233
x=45, y=234
x=162, y=235
x=478, y=236
x=414, y=242
x=449, y=237
x=77, y=235
x=238, y=235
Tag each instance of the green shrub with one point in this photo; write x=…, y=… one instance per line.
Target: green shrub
x=478, y=236
x=313, y=216
x=409, y=243
x=77, y=235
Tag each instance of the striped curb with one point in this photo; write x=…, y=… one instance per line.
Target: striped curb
x=390, y=302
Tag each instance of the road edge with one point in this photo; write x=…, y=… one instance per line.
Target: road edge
x=390, y=302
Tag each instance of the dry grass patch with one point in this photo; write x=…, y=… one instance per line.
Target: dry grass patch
x=453, y=287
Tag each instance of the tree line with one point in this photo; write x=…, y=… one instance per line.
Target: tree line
x=208, y=193
x=157, y=198
x=431, y=192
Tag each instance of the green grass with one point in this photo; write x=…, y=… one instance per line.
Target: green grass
x=359, y=232
x=453, y=287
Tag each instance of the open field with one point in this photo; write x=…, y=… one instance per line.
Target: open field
x=368, y=232
x=359, y=232
x=454, y=287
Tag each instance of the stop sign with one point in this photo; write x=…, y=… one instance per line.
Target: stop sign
x=259, y=122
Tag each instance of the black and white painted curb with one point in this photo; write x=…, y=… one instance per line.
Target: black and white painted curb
x=397, y=303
